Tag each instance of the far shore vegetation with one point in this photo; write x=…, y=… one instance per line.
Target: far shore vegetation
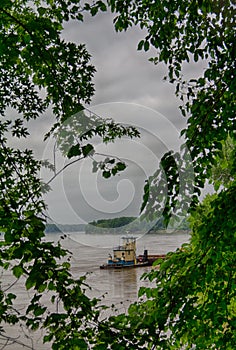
x=129, y=225
x=120, y=225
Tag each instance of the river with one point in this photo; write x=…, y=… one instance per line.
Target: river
x=89, y=251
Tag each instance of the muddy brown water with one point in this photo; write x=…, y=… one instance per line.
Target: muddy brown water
x=89, y=251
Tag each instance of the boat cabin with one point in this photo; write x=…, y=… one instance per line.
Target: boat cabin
x=124, y=254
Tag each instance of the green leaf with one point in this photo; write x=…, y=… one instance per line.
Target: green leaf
x=79, y=344
x=51, y=286
x=146, y=46
x=17, y=271
x=106, y=174
x=140, y=45
x=48, y=338
x=42, y=11
x=87, y=150
x=114, y=171
x=94, y=10
x=42, y=287
x=100, y=347
x=9, y=238
x=38, y=310
x=74, y=151
x=30, y=283
x=9, y=298
x=121, y=166
x=102, y=6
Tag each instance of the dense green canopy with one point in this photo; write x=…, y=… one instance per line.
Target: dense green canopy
x=192, y=304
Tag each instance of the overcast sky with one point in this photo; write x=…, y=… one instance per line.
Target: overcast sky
x=131, y=90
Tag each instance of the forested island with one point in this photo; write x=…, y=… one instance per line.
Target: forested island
x=129, y=224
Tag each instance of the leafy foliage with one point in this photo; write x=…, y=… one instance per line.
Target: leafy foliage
x=33, y=54
x=24, y=252
x=129, y=224
x=183, y=32
x=72, y=136
x=224, y=169
x=120, y=225
x=38, y=70
x=193, y=302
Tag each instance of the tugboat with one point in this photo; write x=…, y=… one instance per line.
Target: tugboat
x=124, y=256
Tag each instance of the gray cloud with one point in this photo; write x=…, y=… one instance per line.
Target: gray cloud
x=123, y=75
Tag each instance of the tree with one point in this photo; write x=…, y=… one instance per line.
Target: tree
x=223, y=171
x=194, y=296
x=193, y=303
x=38, y=70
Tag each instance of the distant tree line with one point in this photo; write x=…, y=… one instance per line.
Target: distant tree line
x=129, y=224
x=114, y=222
x=122, y=224
x=53, y=228
x=115, y=225
x=160, y=225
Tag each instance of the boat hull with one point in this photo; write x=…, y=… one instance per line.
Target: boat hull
x=149, y=262
x=123, y=266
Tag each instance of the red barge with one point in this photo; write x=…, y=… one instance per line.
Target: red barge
x=124, y=256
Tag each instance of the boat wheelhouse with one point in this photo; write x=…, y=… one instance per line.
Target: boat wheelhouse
x=125, y=256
